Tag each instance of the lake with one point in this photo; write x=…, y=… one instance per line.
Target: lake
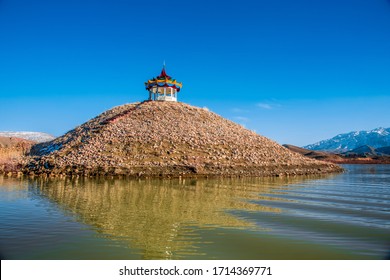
x=339, y=216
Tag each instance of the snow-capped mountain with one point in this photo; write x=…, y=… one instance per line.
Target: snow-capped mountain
x=33, y=136
x=376, y=138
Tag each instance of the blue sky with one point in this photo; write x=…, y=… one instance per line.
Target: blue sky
x=294, y=71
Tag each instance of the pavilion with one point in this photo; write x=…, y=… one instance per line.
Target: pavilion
x=163, y=87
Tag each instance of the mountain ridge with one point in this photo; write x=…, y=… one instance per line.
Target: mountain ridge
x=28, y=135
x=361, y=155
x=376, y=138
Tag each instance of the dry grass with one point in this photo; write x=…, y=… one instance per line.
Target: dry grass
x=10, y=159
x=12, y=152
x=7, y=153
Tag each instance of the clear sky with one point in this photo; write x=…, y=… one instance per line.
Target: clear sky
x=296, y=71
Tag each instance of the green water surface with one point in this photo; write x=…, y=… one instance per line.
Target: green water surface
x=342, y=216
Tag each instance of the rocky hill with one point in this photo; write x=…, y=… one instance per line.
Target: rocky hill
x=376, y=138
x=155, y=138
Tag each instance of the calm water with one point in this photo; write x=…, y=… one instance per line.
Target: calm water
x=343, y=216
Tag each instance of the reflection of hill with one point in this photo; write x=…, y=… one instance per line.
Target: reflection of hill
x=159, y=217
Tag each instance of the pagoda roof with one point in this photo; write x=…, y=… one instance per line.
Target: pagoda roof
x=163, y=74
x=163, y=80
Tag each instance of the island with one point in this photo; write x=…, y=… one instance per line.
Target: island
x=161, y=137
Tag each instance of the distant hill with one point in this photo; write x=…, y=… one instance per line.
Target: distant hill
x=166, y=139
x=364, y=150
x=314, y=154
x=15, y=143
x=38, y=137
x=383, y=150
x=376, y=138
x=12, y=150
x=361, y=155
x=368, y=151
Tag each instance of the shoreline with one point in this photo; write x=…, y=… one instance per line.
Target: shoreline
x=360, y=161
x=174, y=171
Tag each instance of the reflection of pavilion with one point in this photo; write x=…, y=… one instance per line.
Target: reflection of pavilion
x=160, y=218
x=163, y=87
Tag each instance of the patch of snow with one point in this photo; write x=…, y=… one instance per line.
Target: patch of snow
x=380, y=131
x=28, y=135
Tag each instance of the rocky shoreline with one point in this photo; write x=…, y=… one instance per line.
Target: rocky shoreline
x=183, y=171
x=166, y=139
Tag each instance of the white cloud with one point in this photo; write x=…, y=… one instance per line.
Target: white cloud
x=239, y=110
x=268, y=105
x=264, y=106
x=242, y=119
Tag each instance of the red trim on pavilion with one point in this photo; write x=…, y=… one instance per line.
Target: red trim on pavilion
x=164, y=74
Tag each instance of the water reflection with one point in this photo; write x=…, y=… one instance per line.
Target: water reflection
x=13, y=189
x=161, y=218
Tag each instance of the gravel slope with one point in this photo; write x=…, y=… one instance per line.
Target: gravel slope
x=168, y=139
